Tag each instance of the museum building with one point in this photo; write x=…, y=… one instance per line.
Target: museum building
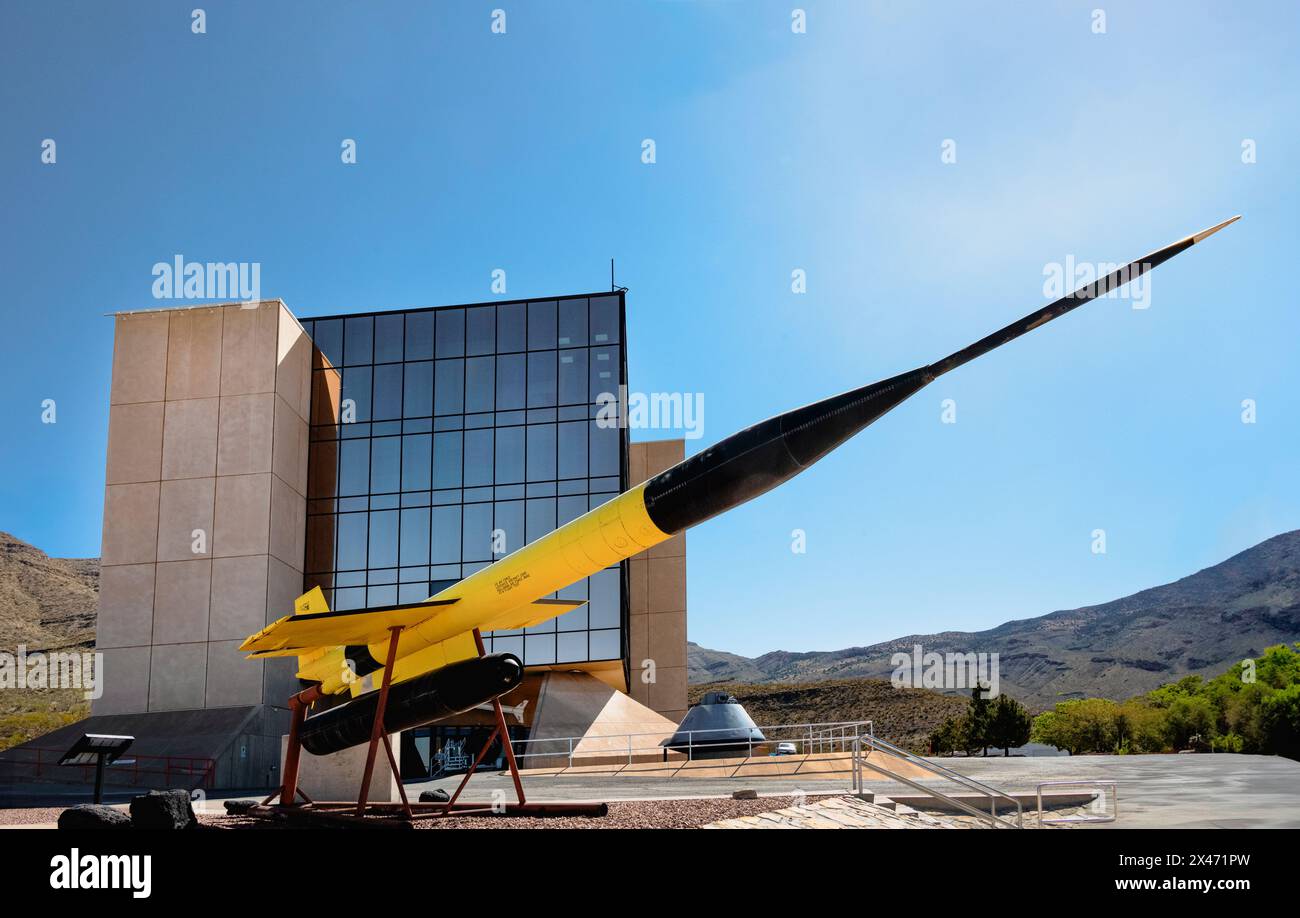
x=253, y=455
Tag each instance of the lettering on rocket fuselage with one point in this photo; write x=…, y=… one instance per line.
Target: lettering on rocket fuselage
x=505, y=584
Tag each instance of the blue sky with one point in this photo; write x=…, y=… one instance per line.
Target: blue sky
x=775, y=151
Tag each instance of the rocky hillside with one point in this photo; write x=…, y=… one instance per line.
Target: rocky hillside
x=905, y=717
x=1199, y=624
x=46, y=603
x=704, y=665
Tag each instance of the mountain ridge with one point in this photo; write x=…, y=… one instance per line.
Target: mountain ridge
x=1197, y=624
x=46, y=603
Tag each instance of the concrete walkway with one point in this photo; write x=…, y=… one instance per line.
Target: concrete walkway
x=837, y=813
x=1195, y=791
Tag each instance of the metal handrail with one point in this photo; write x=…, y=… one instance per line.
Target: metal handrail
x=848, y=736
x=1079, y=820
x=994, y=821
x=946, y=772
x=817, y=734
x=46, y=759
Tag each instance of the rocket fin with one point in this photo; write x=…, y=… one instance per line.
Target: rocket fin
x=533, y=613
x=311, y=603
x=301, y=632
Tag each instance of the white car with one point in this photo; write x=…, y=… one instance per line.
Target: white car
x=786, y=749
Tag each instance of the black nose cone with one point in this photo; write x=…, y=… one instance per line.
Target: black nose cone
x=759, y=458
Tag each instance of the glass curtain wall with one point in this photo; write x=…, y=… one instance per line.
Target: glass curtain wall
x=444, y=438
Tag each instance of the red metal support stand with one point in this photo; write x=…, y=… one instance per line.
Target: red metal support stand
x=289, y=790
x=378, y=734
x=501, y=732
x=344, y=813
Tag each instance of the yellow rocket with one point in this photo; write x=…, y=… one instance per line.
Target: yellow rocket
x=432, y=676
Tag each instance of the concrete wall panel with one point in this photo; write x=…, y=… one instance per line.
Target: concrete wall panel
x=232, y=679
x=289, y=458
x=184, y=508
x=139, y=359
x=194, y=354
x=284, y=585
x=248, y=348
x=177, y=677
x=135, y=442
x=180, y=603
x=125, y=615
x=288, y=524
x=657, y=598
x=130, y=524
x=293, y=365
x=125, y=678
x=247, y=423
x=238, y=597
x=190, y=439
x=666, y=590
x=667, y=693
x=243, y=515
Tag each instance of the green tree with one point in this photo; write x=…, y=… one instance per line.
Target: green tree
x=1279, y=666
x=1279, y=719
x=1254, y=707
x=1047, y=730
x=1009, y=724
x=978, y=721
x=1187, y=717
x=949, y=737
x=1140, y=727
x=1084, y=725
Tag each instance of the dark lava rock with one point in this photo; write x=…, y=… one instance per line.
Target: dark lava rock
x=93, y=816
x=438, y=795
x=163, y=810
x=239, y=807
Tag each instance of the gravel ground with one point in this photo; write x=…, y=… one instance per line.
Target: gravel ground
x=627, y=814
x=30, y=816
x=657, y=814
x=641, y=814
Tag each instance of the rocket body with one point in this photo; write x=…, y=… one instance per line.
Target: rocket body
x=442, y=693
x=725, y=475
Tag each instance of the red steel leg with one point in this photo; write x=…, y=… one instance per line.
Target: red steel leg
x=502, y=730
x=397, y=776
x=469, y=774
x=378, y=730
x=289, y=791
x=509, y=748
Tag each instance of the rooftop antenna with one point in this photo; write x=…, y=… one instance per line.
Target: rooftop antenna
x=612, y=288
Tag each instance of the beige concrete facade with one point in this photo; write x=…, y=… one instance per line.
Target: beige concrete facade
x=204, y=504
x=205, y=536
x=611, y=724
x=337, y=776
x=657, y=604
